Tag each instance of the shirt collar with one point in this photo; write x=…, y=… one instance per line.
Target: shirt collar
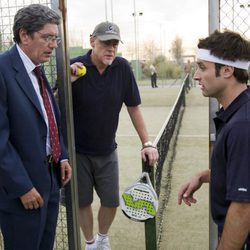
x=225, y=114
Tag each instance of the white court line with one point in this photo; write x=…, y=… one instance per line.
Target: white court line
x=130, y=135
x=196, y=136
x=180, y=135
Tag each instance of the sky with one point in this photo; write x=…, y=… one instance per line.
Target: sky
x=161, y=21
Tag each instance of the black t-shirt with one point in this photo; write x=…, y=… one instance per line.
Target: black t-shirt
x=230, y=165
x=97, y=101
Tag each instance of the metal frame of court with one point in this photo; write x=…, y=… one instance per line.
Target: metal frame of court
x=231, y=14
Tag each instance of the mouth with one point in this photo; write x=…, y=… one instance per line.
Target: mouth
x=48, y=53
x=109, y=56
x=202, y=87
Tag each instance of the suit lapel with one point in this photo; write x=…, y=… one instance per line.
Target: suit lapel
x=23, y=79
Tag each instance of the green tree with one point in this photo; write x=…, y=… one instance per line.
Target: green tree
x=160, y=63
x=165, y=69
x=177, y=50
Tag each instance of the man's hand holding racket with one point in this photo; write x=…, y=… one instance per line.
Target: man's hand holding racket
x=149, y=152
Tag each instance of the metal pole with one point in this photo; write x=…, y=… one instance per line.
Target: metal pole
x=136, y=45
x=214, y=24
x=65, y=103
x=214, y=15
x=106, y=10
x=233, y=15
x=150, y=224
x=112, y=16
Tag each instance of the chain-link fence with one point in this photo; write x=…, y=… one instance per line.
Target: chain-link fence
x=8, y=9
x=235, y=15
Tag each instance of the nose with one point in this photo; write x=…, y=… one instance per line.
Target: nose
x=53, y=44
x=196, y=76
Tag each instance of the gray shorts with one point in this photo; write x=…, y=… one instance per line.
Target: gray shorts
x=101, y=173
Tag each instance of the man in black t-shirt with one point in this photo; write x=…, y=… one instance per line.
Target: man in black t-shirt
x=98, y=97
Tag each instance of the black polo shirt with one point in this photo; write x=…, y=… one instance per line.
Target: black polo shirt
x=97, y=101
x=230, y=165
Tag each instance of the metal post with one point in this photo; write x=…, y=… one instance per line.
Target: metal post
x=112, y=14
x=106, y=10
x=65, y=103
x=233, y=15
x=150, y=224
x=214, y=24
x=136, y=47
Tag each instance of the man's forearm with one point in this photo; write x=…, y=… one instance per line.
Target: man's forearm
x=138, y=122
x=204, y=176
x=236, y=227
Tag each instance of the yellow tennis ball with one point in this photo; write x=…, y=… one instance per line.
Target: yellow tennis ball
x=81, y=71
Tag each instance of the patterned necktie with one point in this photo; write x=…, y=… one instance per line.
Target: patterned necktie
x=54, y=137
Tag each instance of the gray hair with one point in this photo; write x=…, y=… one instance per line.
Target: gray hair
x=32, y=19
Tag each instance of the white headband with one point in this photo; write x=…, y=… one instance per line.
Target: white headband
x=204, y=54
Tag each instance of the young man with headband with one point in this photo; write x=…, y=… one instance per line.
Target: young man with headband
x=223, y=61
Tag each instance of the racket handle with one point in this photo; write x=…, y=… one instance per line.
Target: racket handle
x=146, y=167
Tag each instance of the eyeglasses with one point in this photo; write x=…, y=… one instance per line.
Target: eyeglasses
x=50, y=38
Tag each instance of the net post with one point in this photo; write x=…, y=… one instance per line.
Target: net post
x=150, y=224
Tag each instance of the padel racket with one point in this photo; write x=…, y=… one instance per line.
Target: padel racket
x=139, y=202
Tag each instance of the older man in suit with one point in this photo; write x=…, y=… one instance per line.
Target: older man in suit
x=33, y=158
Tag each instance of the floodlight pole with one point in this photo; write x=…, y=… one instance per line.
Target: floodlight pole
x=136, y=47
x=112, y=14
x=135, y=14
x=106, y=10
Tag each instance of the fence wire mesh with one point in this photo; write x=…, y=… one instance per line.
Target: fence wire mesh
x=235, y=15
x=8, y=9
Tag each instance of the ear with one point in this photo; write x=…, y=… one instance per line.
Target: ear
x=92, y=41
x=227, y=71
x=24, y=37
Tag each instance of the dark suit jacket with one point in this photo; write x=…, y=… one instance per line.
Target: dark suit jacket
x=23, y=160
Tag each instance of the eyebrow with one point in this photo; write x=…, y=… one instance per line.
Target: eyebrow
x=46, y=34
x=199, y=63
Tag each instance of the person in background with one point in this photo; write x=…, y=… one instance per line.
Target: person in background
x=222, y=72
x=33, y=158
x=98, y=97
x=153, y=76
x=188, y=70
